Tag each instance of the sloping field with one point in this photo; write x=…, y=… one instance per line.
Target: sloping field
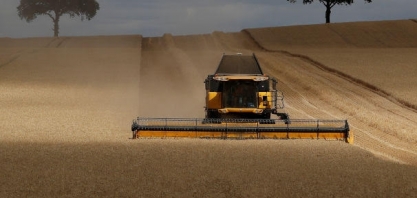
x=67, y=105
x=379, y=55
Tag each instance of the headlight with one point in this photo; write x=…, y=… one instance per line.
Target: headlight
x=263, y=78
x=222, y=111
x=258, y=111
x=220, y=78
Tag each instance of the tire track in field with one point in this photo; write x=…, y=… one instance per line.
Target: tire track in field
x=11, y=60
x=18, y=55
x=61, y=42
x=362, y=83
x=21, y=53
x=359, y=82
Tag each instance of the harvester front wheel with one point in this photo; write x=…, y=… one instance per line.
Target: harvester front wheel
x=134, y=128
x=212, y=114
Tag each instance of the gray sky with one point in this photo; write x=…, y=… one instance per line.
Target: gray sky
x=185, y=17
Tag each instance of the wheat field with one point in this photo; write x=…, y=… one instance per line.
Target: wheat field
x=67, y=104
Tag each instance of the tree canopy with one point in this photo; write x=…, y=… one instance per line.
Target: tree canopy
x=329, y=4
x=31, y=9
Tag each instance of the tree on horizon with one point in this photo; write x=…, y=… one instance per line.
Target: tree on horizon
x=55, y=9
x=329, y=4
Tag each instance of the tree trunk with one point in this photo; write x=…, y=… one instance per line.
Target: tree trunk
x=328, y=11
x=56, y=26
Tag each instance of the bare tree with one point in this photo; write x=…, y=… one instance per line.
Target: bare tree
x=329, y=4
x=31, y=9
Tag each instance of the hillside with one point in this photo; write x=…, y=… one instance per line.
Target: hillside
x=378, y=55
x=67, y=105
x=375, y=34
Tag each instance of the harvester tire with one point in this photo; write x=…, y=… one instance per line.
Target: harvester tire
x=210, y=114
x=135, y=126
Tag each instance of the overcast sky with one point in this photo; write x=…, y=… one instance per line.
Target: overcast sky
x=184, y=17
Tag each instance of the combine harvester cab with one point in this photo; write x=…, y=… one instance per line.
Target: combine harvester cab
x=242, y=103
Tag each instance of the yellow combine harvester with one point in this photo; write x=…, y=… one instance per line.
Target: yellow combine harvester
x=240, y=100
